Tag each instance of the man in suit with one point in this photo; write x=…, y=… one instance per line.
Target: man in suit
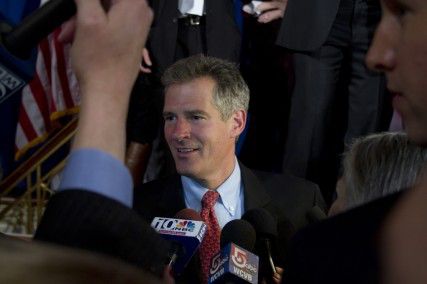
x=179, y=30
x=335, y=97
x=205, y=111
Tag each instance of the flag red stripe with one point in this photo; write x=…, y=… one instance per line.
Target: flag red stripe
x=62, y=73
x=45, y=52
x=41, y=99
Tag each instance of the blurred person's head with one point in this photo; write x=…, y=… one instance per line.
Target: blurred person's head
x=375, y=166
x=40, y=263
x=399, y=49
x=205, y=109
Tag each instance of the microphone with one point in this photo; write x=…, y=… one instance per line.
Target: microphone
x=20, y=40
x=14, y=73
x=315, y=214
x=265, y=226
x=186, y=232
x=17, y=44
x=235, y=263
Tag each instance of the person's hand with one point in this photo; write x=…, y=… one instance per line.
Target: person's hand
x=106, y=51
x=271, y=10
x=277, y=277
x=146, y=63
x=167, y=276
x=105, y=56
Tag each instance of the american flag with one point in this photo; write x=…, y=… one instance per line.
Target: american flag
x=51, y=94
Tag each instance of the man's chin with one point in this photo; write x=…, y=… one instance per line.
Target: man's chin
x=186, y=171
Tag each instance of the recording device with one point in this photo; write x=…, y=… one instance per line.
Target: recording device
x=185, y=234
x=265, y=226
x=17, y=44
x=235, y=263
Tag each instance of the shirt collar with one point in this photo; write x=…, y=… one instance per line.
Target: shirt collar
x=229, y=191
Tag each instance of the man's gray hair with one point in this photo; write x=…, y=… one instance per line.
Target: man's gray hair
x=230, y=94
x=380, y=164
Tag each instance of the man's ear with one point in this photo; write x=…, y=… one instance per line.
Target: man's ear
x=238, y=122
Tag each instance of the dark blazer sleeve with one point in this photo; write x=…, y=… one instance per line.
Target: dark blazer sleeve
x=307, y=23
x=81, y=219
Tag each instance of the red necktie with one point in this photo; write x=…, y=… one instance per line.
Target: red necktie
x=210, y=243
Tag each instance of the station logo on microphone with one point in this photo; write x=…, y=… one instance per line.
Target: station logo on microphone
x=179, y=227
x=234, y=260
x=9, y=83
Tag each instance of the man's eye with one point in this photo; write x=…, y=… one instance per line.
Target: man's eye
x=197, y=117
x=400, y=10
x=169, y=118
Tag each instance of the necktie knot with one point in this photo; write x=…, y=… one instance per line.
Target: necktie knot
x=209, y=199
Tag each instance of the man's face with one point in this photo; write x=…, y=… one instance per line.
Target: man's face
x=201, y=143
x=399, y=49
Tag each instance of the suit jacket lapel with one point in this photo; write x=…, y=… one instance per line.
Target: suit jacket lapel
x=255, y=194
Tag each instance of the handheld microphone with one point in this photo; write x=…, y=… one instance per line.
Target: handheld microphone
x=17, y=44
x=235, y=263
x=20, y=40
x=14, y=73
x=186, y=232
x=265, y=226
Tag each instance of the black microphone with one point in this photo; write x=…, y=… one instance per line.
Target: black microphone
x=235, y=263
x=265, y=226
x=17, y=44
x=186, y=232
x=240, y=232
x=21, y=39
x=14, y=73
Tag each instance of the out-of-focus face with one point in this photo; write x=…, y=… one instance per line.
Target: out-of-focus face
x=202, y=144
x=399, y=49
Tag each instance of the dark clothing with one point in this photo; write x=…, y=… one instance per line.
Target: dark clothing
x=335, y=98
x=86, y=220
x=342, y=249
x=219, y=31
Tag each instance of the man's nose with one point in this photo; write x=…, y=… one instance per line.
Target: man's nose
x=381, y=56
x=182, y=129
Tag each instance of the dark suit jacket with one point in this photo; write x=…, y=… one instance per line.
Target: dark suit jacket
x=286, y=197
x=222, y=34
x=342, y=249
x=86, y=220
x=306, y=24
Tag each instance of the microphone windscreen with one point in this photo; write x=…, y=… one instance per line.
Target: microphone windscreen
x=263, y=222
x=188, y=214
x=239, y=232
